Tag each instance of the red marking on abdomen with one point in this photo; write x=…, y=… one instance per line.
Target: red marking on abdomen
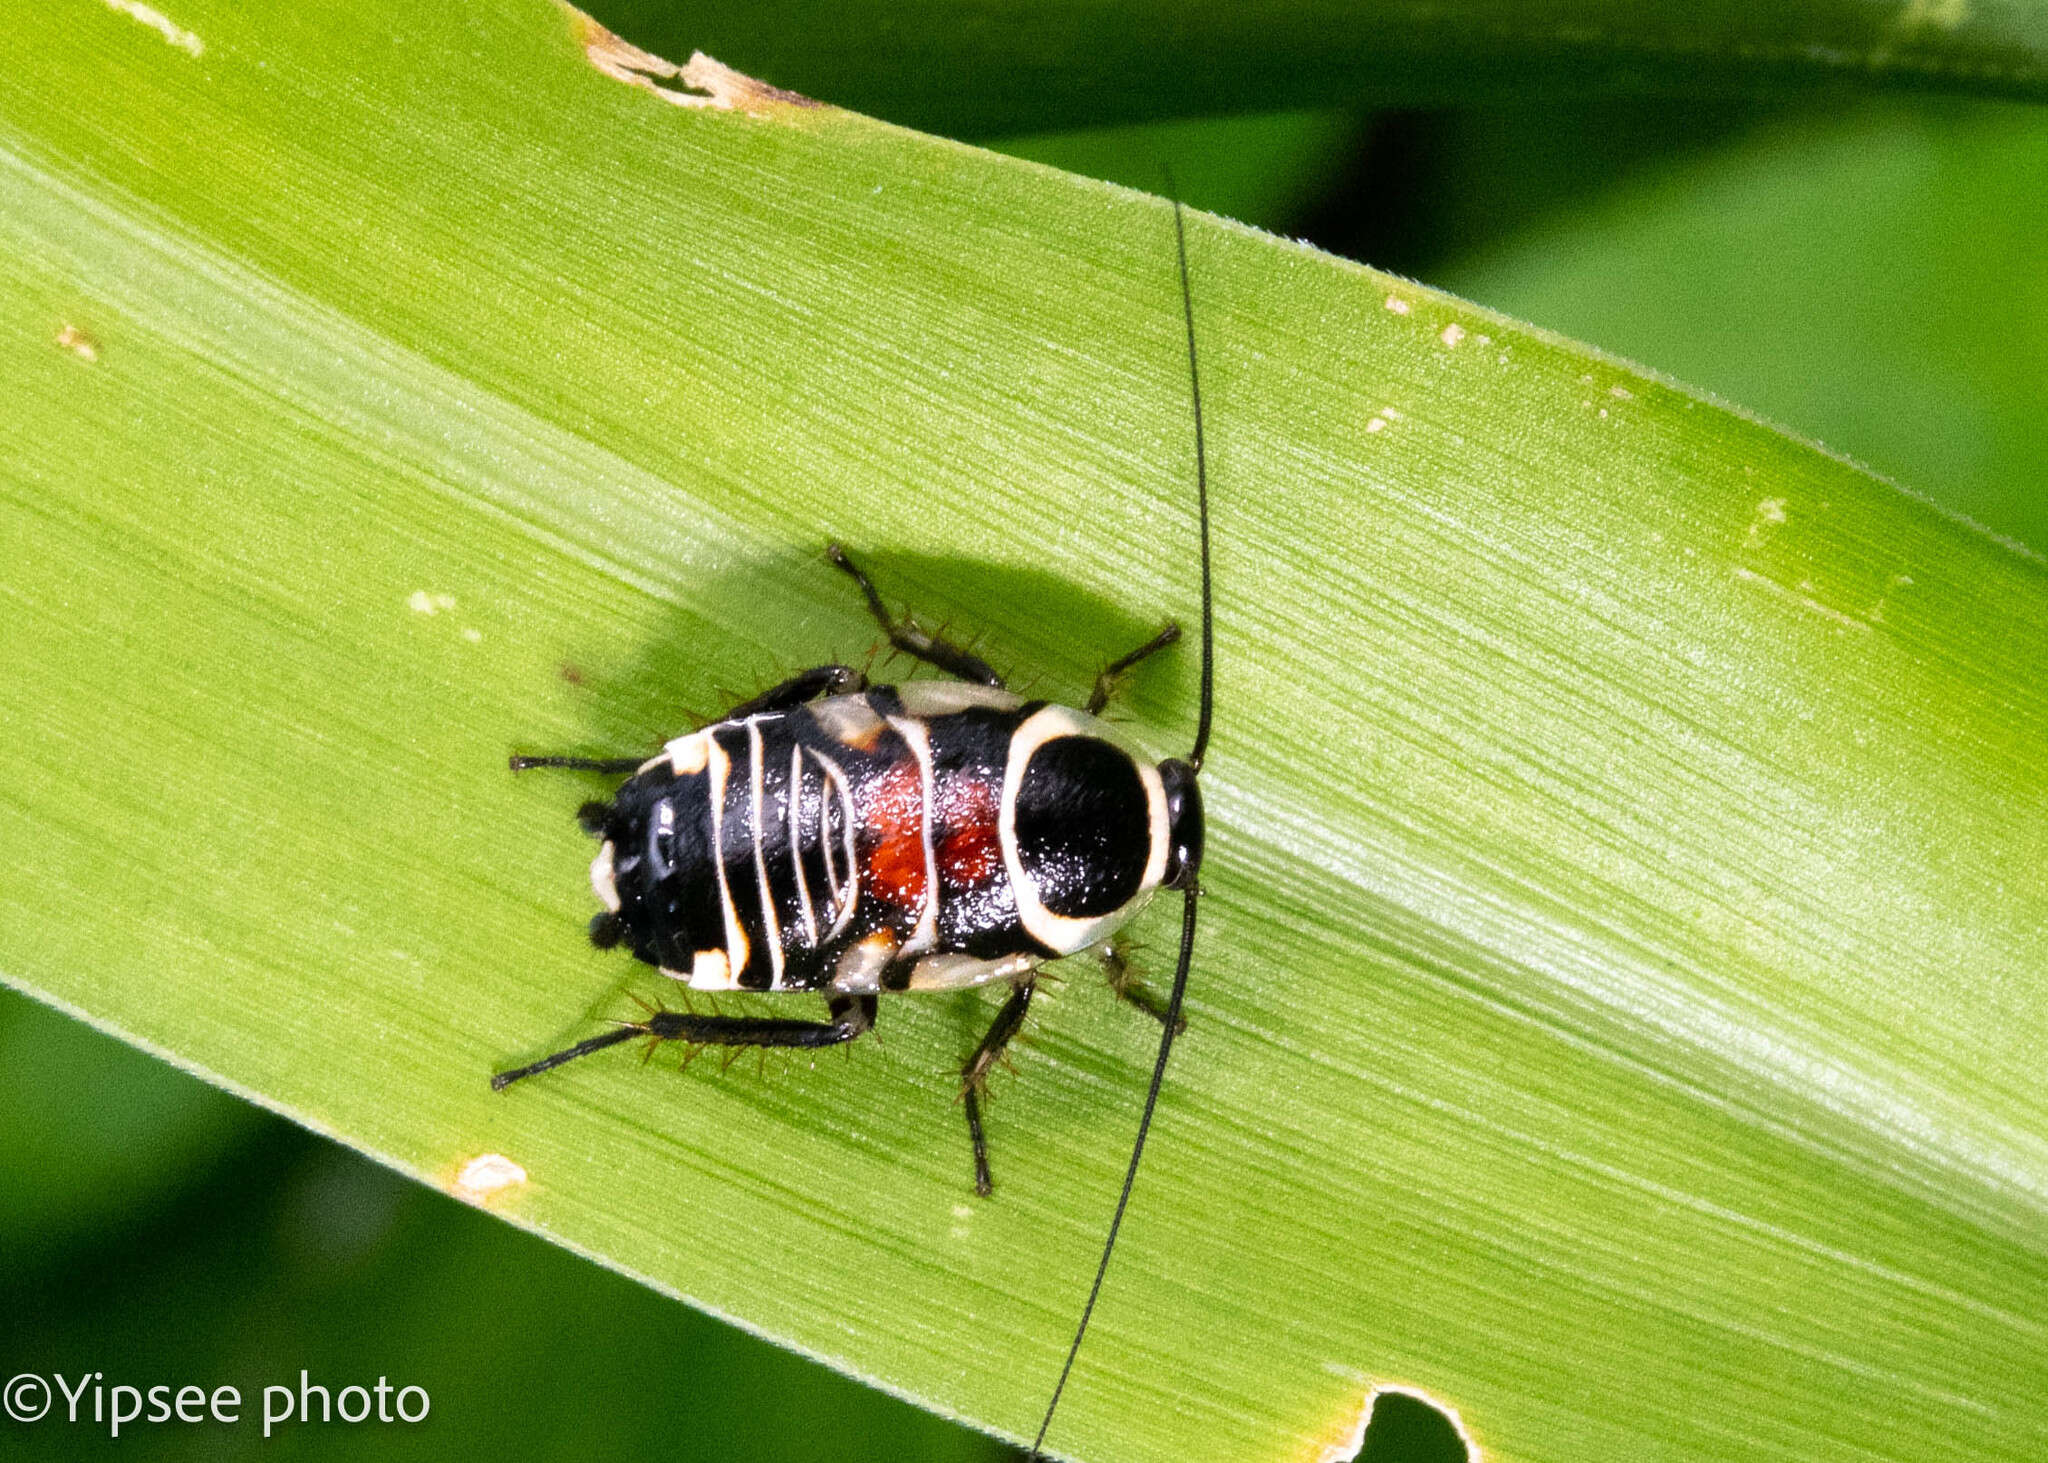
x=970, y=850
x=894, y=819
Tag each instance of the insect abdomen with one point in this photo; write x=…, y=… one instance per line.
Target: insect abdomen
x=864, y=842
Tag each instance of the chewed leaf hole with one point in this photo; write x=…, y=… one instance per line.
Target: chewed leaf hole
x=1404, y=1428
x=1400, y=1425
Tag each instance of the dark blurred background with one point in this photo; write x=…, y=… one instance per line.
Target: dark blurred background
x=1867, y=273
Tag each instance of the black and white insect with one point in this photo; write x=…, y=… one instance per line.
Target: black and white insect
x=853, y=840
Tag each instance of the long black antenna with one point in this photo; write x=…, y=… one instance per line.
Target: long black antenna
x=1187, y=923
x=1187, y=309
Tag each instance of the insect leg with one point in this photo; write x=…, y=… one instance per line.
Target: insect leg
x=905, y=635
x=579, y=764
x=1106, y=682
x=974, y=1076
x=823, y=680
x=851, y=1016
x=1116, y=964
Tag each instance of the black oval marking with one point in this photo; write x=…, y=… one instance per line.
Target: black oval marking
x=1084, y=828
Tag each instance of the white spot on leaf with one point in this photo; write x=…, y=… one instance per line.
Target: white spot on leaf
x=1769, y=514
x=425, y=603
x=162, y=24
x=485, y=1175
x=1398, y=305
x=79, y=343
x=1452, y=334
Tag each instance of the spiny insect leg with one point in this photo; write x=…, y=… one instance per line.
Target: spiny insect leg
x=548, y=1063
x=1116, y=670
x=907, y=637
x=1116, y=964
x=578, y=764
x=822, y=680
x=974, y=1076
x=851, y=1015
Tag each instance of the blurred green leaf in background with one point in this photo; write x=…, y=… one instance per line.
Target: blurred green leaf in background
x=1695, y=188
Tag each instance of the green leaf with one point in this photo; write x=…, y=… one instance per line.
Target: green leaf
x=1620, y=1009
x=970, y=68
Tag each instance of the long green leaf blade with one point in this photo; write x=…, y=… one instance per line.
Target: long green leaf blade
x=1620, y=1011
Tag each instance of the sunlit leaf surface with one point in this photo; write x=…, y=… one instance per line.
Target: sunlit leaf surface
x=1620, y=1011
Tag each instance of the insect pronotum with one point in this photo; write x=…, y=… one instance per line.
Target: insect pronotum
x=851, y=840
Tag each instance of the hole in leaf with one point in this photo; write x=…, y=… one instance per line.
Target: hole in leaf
x=673, y=86
x=1405, y=1428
